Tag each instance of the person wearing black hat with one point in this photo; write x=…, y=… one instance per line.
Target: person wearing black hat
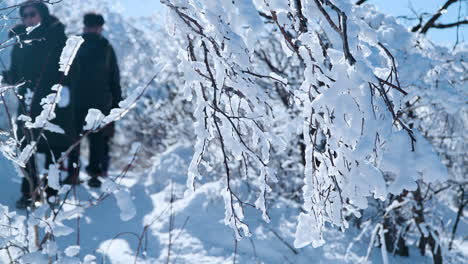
x=99, y=88
x=35, y=61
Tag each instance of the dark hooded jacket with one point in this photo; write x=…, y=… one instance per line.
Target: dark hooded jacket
x=99, y=86
x=35, y=61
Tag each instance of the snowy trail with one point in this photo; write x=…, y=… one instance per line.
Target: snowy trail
x=198, y=233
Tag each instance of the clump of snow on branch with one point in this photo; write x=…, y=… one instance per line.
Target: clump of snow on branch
x=356, y=145
x=95, y=119
x=31, y=29
x=49, y=104
x=69, y=52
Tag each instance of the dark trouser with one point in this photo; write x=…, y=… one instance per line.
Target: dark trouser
x=98, y=146
x=31, y=179
x=98, y=153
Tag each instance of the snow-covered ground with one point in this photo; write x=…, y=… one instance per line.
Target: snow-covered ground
x=190, y=229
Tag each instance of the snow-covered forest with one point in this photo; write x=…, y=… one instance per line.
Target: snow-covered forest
x=249, y=131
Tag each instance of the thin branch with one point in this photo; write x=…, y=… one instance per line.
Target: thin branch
x=342, y=30
x=449, y=25
x=360, y=2
x=430, y=23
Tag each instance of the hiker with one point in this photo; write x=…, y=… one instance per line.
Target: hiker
x=99, y=88
x=35, y=61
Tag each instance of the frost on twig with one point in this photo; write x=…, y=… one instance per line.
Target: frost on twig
x=49, y=103
x=95, y=119
x=356, y=145
x=29, y=30
x=69, y=52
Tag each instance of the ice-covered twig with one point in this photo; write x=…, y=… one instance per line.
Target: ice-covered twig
x=69, y=52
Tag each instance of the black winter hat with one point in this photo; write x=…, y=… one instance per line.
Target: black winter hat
x=93, y=20
x=41, y=8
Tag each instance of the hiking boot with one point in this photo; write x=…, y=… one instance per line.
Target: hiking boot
x=94, y=183
x=92, y=172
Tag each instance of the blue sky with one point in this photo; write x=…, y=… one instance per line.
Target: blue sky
x=445, y=36
x=392, y=7
x=141, y=7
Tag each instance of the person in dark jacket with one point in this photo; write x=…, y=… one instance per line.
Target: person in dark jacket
x=99, y=89
x=35, y=61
